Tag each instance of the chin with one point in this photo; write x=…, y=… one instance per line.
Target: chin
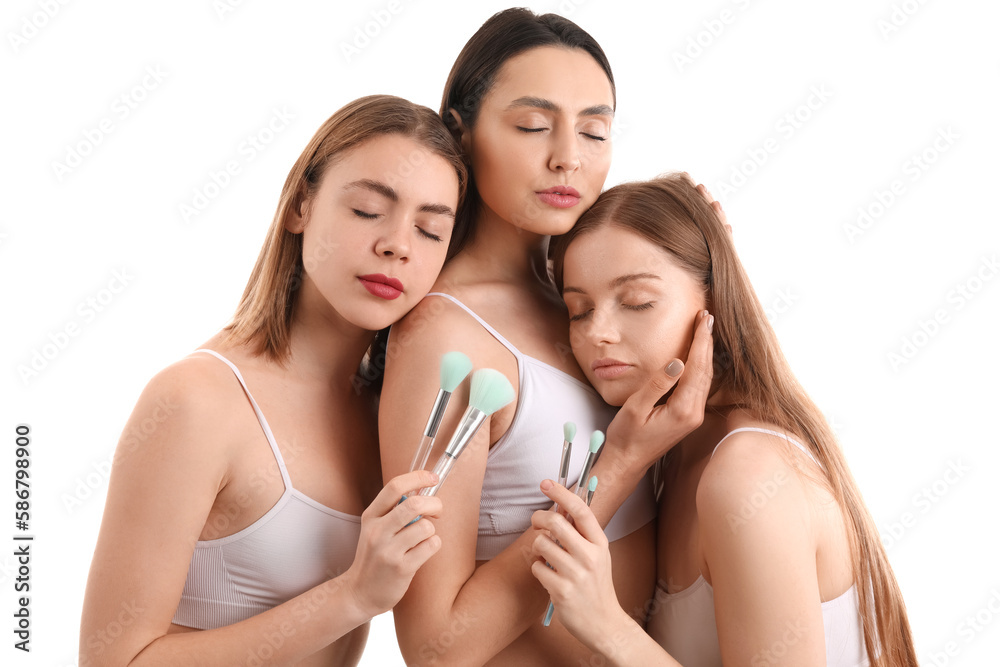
x=614, y=396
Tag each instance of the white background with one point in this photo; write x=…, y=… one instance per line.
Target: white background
x=842, y=303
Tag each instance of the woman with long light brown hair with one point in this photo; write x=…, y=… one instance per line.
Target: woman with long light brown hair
x=250, y=525
x=766, y=552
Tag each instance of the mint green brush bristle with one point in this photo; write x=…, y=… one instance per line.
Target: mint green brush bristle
x=569, y=431
x=454, y=367
x=596, y=440
x=592, y=484
x=490, y=391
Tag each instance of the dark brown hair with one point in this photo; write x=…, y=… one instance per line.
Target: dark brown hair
x=264, y=314
x=505, y=35
x=671, y=214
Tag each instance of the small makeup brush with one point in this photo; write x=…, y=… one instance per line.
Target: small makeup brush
x=569, y=432
x=591, y=487
x=454, y=367
x=596, y=440
x=490, y=391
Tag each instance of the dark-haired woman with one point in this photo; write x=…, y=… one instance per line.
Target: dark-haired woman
x=531, y=98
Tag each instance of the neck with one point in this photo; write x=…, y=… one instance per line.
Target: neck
x=324, y=347
x=700, y=443
x=505, y=253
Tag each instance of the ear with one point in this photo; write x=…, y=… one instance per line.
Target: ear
x=461, y=132
x=296, y=220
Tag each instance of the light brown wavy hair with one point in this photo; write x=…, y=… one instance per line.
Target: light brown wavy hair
x=264, y=315
x=671, y=214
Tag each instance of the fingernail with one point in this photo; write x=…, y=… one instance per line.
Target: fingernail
x=675, y=367
x=711, y=321
x=546, y=484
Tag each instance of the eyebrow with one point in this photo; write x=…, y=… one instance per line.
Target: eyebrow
x=617, y=282
x=386, y=191
x=549, y=105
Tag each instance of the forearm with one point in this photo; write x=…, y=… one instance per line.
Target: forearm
x=626, y=644
x=283, y=635
x=494, y=606
x=618, y=475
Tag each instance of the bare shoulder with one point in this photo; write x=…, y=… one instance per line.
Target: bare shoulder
x=752, y=473
x=187, y=403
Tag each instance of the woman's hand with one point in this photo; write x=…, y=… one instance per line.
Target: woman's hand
x=716, y=206
x=644, y=430
x=579, y=579
x=390, y=548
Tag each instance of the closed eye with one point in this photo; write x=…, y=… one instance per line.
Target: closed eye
x=427, y=234
x=594, y=137
x=580, y=316
x=364, y=214
x=531, y=129
x=639, y=306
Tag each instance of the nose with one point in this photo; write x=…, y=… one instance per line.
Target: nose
x=394, y=240
x=565, y=150
x=602, y=328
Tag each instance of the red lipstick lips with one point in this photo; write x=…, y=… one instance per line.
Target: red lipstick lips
x=382, y=286
x=607, y=368
x=560, y=196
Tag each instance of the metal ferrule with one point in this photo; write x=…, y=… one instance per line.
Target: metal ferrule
x=564, y=466
x=471, y=421
x=437, y=413
x=588, y=463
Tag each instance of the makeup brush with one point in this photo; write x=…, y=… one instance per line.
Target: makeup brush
x=591, y=487
x=596, y=440
x=454, y=367
x=569, y=432
x=490, y=391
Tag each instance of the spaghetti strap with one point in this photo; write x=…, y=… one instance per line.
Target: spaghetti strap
x=260, y=417
x=493, y=332
x=768, y=432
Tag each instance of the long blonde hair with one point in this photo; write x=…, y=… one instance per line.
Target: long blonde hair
x=264, y=315
x=670, y=213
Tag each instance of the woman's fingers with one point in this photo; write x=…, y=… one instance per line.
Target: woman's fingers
x=390, y=494
x=687, y=403
x=586, y=524
x=716, y=206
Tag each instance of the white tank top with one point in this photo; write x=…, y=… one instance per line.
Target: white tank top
x=684, y=623
x=297, y=545
x=531, y=450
